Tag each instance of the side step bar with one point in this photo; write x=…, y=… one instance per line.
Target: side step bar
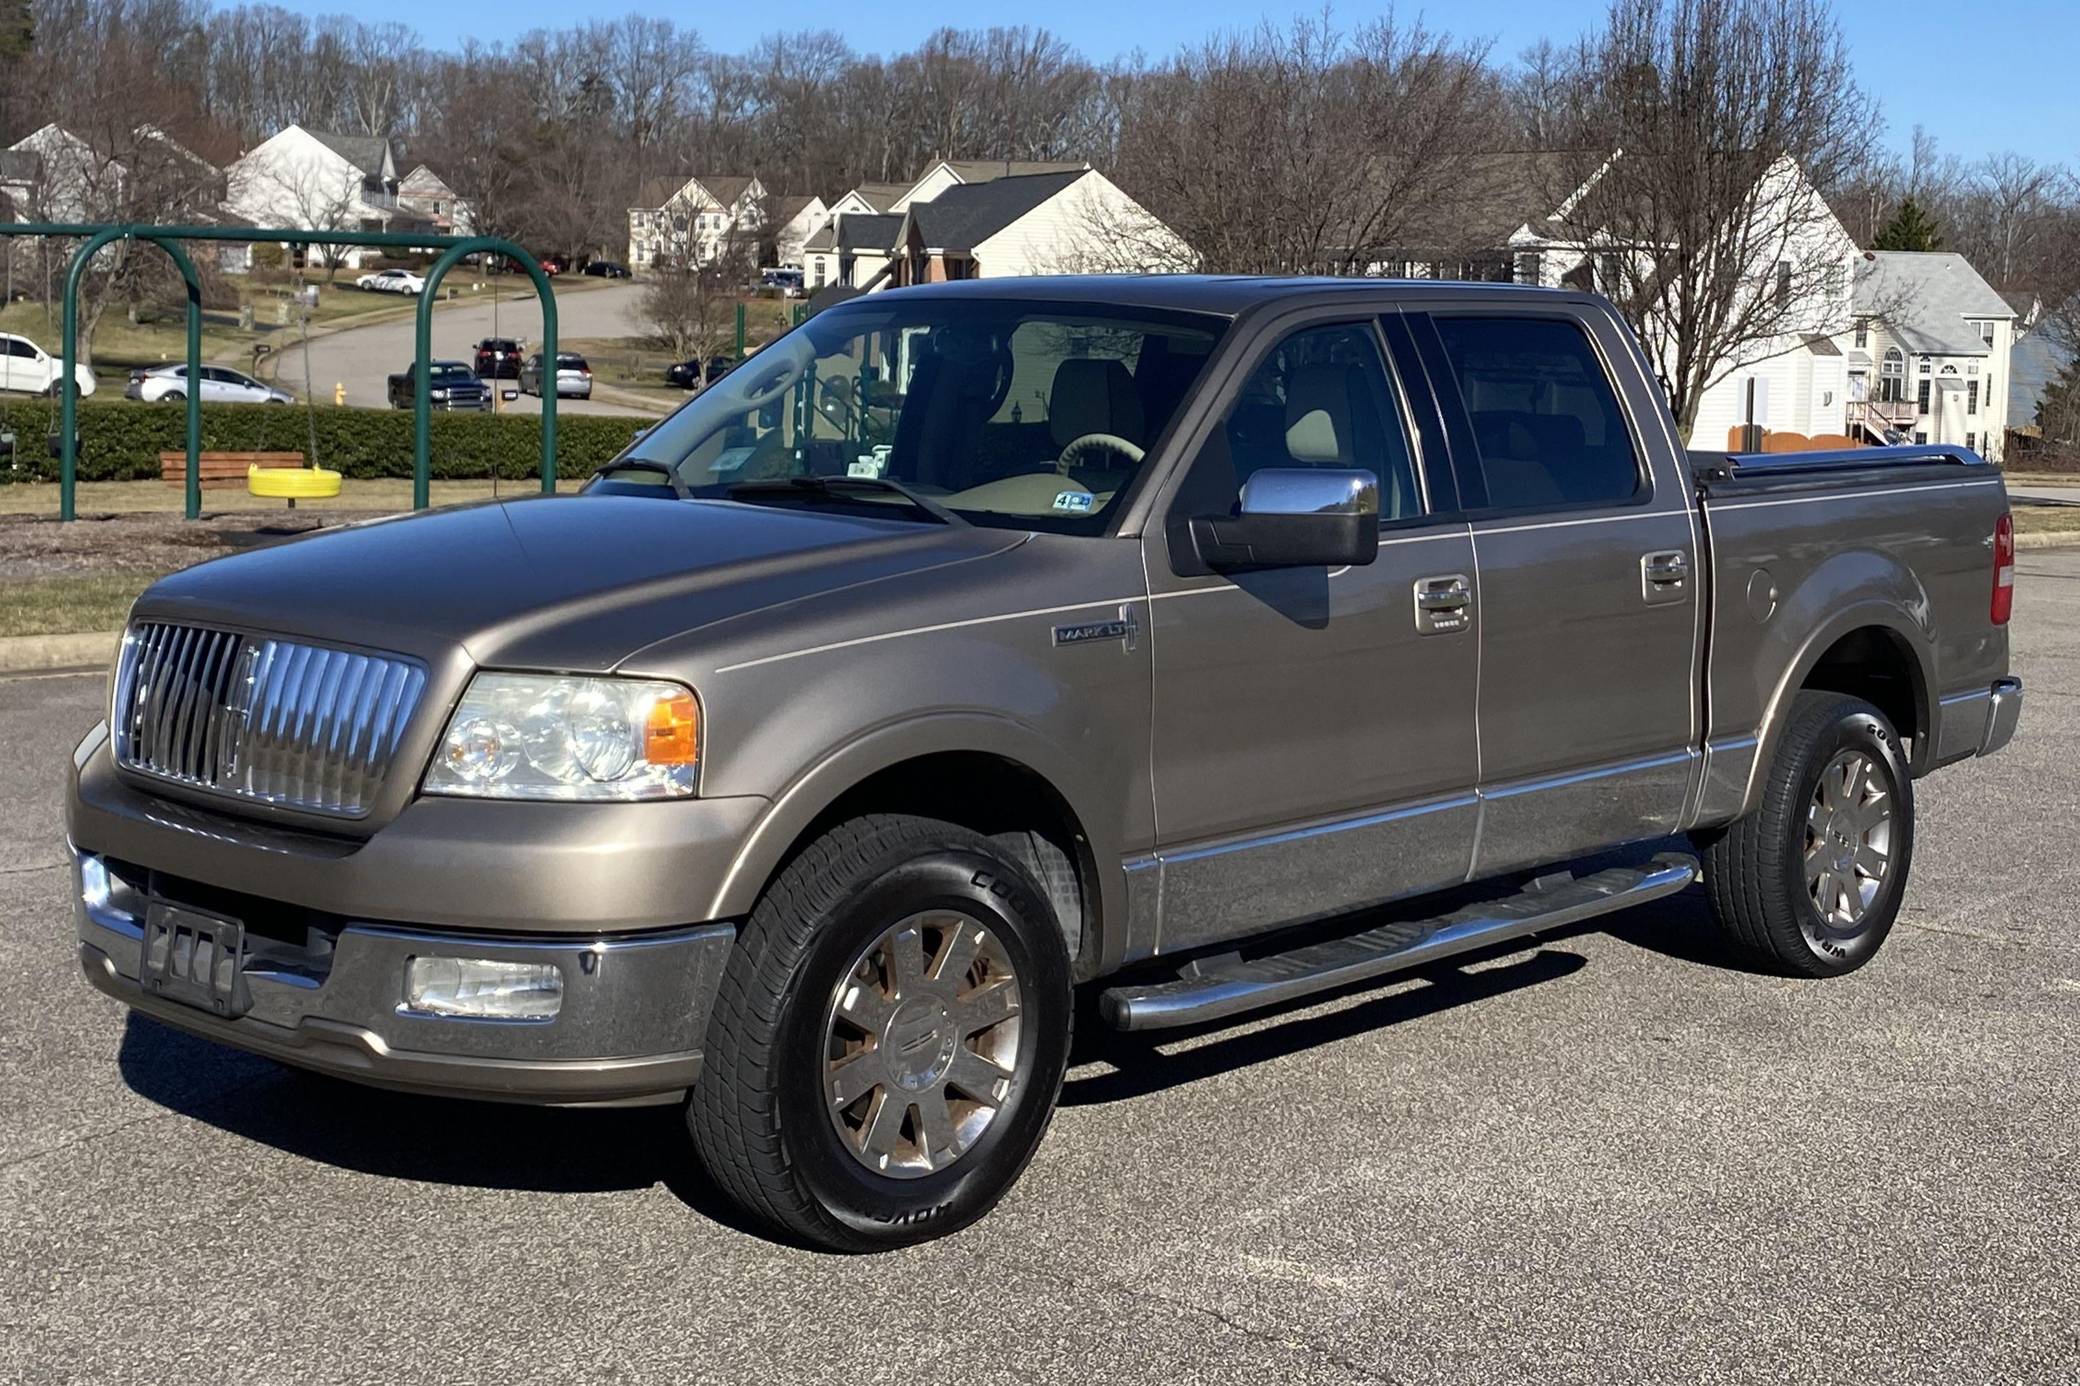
x=1225, y=987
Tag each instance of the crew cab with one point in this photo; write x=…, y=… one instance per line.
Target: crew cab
x=978, y=640
x=450, y=386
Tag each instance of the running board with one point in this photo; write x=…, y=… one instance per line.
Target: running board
x=1220, y=988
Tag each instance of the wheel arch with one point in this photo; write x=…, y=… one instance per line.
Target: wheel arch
x=983, y=771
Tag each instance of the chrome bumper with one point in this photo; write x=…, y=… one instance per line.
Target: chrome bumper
x=2001, y=717
x=629, y=1030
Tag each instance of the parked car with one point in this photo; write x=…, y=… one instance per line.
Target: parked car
x=689, y=375
x=786, y=279
x=392, y=281
x=220, y=385
x=796, y=774
x=27, y=368
x=606, y=269
x=450, y=385
x=573, y=376
x=554, y=264
x=498, y=358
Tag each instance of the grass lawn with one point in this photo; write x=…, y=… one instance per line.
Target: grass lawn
x=2047, y=519
x=131, y=497
x=66, y=605
x=120, y=344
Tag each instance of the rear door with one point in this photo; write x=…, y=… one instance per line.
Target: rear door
x=1586, y=564
x=1313, y=747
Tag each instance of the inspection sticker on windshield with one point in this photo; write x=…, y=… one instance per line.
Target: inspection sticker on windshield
x=1073, y=500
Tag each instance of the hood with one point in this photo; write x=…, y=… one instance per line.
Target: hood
x=553, y=582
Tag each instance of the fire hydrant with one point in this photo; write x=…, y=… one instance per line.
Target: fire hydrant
x=339, y=392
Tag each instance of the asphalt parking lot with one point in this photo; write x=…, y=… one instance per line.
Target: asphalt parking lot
x=1609, y=1155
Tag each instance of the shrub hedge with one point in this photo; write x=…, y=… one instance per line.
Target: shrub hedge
x=120, y=440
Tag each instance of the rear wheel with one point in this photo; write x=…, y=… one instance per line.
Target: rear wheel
x=889, y=1039
x=1812, y=880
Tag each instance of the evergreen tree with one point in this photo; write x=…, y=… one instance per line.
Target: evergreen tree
x=1910, y=229
x=2058, y=412
x=17, y=28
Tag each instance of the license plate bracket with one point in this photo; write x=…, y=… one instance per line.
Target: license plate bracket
x=195, y=958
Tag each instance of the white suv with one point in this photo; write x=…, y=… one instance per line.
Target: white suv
x=29, y=369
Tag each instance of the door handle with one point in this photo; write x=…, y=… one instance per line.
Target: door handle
x=1442, y=604
x=1664, y=575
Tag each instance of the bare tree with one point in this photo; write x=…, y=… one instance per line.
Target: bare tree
x=1705, y=130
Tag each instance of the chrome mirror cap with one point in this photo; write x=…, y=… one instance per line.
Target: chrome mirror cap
x=1311, y=491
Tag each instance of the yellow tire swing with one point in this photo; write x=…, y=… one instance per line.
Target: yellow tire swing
x=290, y=484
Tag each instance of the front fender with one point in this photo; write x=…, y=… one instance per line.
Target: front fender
x=842, y=767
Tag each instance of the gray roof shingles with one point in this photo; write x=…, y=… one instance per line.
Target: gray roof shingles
x=1926, y=298
x=963, y=217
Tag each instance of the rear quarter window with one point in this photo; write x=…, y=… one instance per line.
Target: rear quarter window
x=1545, y=419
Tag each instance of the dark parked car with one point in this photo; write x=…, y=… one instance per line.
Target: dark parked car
x=606, y=269
x=450, y=385
x=573, y=376
x=688, y=375
x=498, y=358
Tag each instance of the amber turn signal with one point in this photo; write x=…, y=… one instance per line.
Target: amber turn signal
x=672, y=734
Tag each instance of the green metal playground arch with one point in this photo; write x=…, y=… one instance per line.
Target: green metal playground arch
x=168, y=238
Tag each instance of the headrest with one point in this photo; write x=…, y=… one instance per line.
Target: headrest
x=1318, y=416
x=1093, y=396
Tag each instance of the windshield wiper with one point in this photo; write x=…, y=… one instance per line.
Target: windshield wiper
x=644, y=464
x=830, y=485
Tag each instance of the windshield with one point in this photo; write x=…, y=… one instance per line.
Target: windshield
x=1026, y=415
x=449, y=370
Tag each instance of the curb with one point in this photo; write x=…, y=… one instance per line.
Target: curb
x=24, y=654
x=2047, y=541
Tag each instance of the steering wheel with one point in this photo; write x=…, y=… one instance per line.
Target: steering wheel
x=1072, y=455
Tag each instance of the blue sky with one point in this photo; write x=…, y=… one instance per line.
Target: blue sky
x=2014, y=87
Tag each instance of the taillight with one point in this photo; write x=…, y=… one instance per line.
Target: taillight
x=2003, y=569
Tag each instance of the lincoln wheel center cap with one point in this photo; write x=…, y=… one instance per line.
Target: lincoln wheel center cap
x=921, y=1043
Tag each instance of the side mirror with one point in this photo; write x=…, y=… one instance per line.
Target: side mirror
x=1295, y=517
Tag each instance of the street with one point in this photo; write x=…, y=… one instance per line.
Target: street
x=1605, y=1154
x=363, y=358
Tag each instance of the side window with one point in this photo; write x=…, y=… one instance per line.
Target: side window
x=1322, y=398
x=1544, y=416
x=18, y=347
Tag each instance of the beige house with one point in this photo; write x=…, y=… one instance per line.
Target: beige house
x=696, y=220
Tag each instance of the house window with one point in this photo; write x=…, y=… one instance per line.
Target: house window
x=1919, y=436
x=1971, y=440
x=1863, y=334
x=1925, y=363
x=1921, y=399
x=1783, y=284
x=1892, y=376
x=1530, y=267
x=1971, y=397
x=1986, y=332
x=1608, y=272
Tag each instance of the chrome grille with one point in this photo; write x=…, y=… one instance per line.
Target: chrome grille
x=274, y=721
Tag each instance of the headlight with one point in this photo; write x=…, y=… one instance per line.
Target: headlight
x=531, y=736
x=436, y=394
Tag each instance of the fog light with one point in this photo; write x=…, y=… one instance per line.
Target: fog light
x=93, y=881
x=483, y=989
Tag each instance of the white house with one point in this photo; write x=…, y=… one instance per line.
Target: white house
x=1929, y=355
x=313, y=181
x=696, y=220
x=795, y=219
x=953, y=173
x=1069, y=221
x=869, y=199
x=54, y=175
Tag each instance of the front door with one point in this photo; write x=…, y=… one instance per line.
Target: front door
x=1313, y=748
x=18, y=370
x=1588, y=584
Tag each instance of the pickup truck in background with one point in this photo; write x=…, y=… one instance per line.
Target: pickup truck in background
x=978, y=640
x=450, y=385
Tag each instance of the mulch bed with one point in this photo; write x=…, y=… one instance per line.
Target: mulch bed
x=37, y=546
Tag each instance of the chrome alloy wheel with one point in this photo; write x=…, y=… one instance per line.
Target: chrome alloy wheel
x=921, y=1044
x=1848, y=844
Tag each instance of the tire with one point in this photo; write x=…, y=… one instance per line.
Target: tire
x=855, y=1173
x=174, y=397
x=1858, y=830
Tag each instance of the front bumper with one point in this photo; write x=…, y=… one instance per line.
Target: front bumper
x=629, y=1030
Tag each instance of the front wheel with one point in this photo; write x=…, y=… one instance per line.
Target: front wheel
x=889, y=1038
x=1812, y=880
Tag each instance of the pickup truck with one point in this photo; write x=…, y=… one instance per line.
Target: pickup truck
x=450, y=385
x=978, y=642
